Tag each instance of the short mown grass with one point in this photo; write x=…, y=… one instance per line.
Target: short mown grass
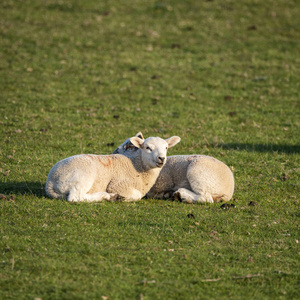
x=81, y=77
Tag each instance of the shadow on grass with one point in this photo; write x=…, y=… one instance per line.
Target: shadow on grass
x=289, y=149
x=23, y=188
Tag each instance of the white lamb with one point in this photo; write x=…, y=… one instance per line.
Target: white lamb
x=189, y=178
x=88, y=177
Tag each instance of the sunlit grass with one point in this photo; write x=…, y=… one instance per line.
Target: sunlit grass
x=81, y=77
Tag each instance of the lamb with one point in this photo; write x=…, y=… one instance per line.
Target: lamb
x=189, y=178
x=88, y=177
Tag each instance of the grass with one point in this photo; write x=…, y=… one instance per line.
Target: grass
x=80, y=77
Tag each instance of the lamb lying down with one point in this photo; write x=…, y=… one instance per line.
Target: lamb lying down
x=190, y=178
x=88, y=177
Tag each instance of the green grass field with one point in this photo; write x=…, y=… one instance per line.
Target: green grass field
x=81, y=77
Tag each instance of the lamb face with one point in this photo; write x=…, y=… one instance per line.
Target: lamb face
x=154, y=153
x=154, y=150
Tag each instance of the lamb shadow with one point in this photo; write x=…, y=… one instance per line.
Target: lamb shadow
x=23, y=188
x=288, y=149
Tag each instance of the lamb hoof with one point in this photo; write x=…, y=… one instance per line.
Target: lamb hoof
x=177, y=197
x=116, y=198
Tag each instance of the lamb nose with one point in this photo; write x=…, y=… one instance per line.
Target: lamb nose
x=161, y=159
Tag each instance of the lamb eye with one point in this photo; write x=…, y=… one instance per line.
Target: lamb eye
x=148, y=148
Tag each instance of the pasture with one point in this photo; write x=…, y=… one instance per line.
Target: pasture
x=81, y=77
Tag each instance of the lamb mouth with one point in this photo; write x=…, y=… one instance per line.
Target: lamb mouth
x=159, y=164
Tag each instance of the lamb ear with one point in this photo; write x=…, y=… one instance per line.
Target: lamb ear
x=172, y=141
x=137, y=142
x=140, y=135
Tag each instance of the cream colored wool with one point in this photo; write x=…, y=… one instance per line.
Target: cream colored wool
x=191, y=178
x=89, y=177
